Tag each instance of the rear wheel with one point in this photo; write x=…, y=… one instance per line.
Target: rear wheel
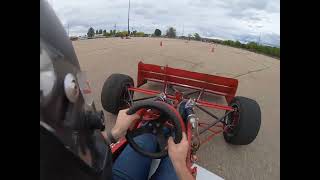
x=243, y=124
x=114, y=94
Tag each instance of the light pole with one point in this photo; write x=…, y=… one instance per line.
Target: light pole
x=128, y=18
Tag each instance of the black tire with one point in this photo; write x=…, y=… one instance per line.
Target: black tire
x=114, y=92
x=249, y=121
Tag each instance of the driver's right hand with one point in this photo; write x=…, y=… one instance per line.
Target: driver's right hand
x=178, y=152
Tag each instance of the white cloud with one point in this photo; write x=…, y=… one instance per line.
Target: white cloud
x=223, y=18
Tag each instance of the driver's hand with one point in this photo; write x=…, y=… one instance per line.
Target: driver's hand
x=123, y=123
x=178, y=152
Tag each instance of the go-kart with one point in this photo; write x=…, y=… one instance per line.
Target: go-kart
x=173, y=109
x=71, y=143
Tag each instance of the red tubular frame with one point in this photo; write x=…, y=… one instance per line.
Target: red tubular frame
x=205, y=83
x=198, y=101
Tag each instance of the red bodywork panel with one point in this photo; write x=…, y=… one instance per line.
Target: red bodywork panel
x=218, y=85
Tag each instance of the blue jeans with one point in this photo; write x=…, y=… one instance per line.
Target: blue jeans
x=131, y=165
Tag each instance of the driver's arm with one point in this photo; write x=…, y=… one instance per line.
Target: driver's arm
x=123, y=123
x=178, y=155
x=177, y=152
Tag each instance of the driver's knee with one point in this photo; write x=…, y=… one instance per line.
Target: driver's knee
x=165, y=170
x=147, y=142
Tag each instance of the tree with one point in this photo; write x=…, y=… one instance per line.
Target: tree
x=100, y=31
x=124, y=33
x=171, y=32
x=118, y=34
x=140, y=34
x=121, y=33
x=237, y=44
x=106, y=34
x=253, y=46
x=157, y=32
x=197, y=36
x=97, y=32
x=90, y=32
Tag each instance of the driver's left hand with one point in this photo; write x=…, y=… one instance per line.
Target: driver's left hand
x=123, y=123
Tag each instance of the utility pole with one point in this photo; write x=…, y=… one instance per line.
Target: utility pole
x=128, y=18
x=115, y=29
x=182, y=29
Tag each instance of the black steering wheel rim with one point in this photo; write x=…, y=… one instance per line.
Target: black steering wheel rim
x=166, y=109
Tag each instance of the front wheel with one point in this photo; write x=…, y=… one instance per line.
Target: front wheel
x=114, y=94
x=243, y=124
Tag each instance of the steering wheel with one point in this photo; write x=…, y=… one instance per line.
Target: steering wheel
x=164, y=116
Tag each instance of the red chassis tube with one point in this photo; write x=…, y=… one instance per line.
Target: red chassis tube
x=198, y=101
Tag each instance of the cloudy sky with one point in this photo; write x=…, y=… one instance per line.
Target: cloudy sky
x=227, y=19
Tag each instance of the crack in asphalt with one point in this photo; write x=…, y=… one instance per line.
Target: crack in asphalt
x=249, y=72
x=255, y=61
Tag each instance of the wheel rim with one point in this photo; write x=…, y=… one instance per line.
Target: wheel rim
x=125, y=97
x=232, y=121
